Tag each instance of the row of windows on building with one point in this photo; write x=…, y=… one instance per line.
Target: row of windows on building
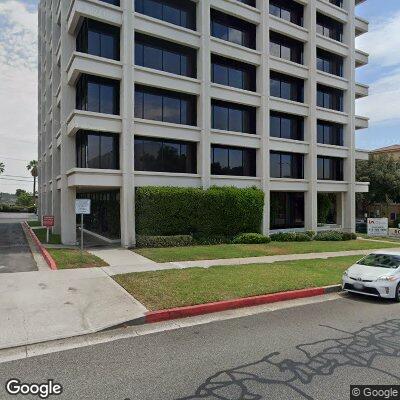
x=103, y=40
x=226, y=27
x=101, y=151
x=102, y=95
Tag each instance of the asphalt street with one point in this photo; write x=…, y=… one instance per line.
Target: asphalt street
x=15, y=255
x=314, y=351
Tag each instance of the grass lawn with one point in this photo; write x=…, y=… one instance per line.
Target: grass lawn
x=69, y=258
x=254, y=250
x=384, y=238
x=41, y=234
x=181, y=287
x=34, y=224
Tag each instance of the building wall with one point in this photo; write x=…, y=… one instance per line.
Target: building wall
x=60, y=66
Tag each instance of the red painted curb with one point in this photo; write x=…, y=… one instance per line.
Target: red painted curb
x=46, y=255
x=190, y=311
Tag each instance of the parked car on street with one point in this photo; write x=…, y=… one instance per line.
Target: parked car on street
x=377, y=274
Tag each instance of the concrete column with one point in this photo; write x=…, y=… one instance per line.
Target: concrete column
x=263, y=157
x=204, y=101
x=127, y=206
x=68, y=194
x=349, y=131
x=310, y=124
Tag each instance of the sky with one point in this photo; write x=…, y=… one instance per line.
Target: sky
x=18, y=83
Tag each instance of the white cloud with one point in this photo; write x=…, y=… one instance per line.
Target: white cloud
x=18, y=90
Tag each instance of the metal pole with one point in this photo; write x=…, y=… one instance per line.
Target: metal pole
x=48, y=235
x=81, y=235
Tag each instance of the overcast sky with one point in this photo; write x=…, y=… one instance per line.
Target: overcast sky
x=18, y=84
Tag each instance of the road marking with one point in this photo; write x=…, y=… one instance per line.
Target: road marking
x=55, y=346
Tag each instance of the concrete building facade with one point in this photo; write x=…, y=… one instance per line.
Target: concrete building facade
x=194, y=94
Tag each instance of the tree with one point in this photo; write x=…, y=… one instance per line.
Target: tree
x=383, y=173
x=24, y=198
x=2, y=167
x=33, y=168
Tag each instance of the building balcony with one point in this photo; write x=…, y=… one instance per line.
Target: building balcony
x=362, y=155
x=87, y=120
x=94, y=178
x=144, y=178
x=237, y=181
x=362, y=187
x=238, y=10
x=330, y=80
x=361, y=26
x=287, y=28
x=332, y=186
x=288, y=106
x=93, y=9
x=361, y=58
x=332, y=46
x=328, y=150
x=288, y=185
x=288, y=67
x=332, y=11
x=238, y=139
x=231, y=94
x=361, y=122
x=288, y=145
x=361, y=90
x=337, y=117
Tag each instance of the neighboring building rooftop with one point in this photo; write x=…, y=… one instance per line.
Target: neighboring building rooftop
x=389, y=149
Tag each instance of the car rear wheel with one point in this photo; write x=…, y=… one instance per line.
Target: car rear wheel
x=397, y=297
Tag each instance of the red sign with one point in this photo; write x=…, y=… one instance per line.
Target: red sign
x=48, y=221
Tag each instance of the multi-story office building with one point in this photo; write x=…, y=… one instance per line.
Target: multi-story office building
x=198, y=93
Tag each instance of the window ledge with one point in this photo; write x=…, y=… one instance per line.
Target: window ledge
x=294, y=141
x=332, y=146
x=345, y=46
x=171, y=174
x=104, y=60
x=332, y=111
x=297, y=103
x=288, y=62
x=291, y=180
x=92, y=114
x=166, y=124
x=335, y=7
x=334, y=182
x=288, y=23
x=244, y=178
x=327, y=74
x=234, y=89
x=235, y=45
x=233, y=133
x=94, y=171
x=167, y=74
x=96, y=2
x=238, y=3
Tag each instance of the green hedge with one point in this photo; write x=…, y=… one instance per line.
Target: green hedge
x=164, y=241
x=251, y=238
x=291, y=237
x=225, y=211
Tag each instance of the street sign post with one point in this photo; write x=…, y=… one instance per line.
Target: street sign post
x=82, y=207
x=48, y=222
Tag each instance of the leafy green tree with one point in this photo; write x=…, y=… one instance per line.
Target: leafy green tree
x=33, y=168
x=383, y=173
x=24, y=198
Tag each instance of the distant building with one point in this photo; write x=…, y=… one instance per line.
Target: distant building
x=393, y=151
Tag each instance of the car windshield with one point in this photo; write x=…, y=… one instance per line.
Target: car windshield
x=381, y=260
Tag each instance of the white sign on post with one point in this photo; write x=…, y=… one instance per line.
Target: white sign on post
x=394, y=232
x=378, y=226
x=82, y=206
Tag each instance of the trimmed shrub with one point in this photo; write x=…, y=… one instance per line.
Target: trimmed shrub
x=225, y=211
x=250, y=238
x=290, y=237
x=164, y=241
x=211, y=239
x=349, y=236
x=334, y=236
x=310, y=234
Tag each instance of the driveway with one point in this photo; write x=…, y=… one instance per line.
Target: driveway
x=15, y=254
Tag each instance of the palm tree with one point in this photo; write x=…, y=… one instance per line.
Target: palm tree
x=33, y=168
x=2, y=167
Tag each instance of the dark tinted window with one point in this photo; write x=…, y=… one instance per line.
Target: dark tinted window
x=177, y=12
x=233, y=73
x=338, y=3
x=286, y=126
x=330, y=63
x=330, y=168
x=286, y=165
x=251, y=3
x=113, y=2
x=164, y=56
x=329, y=27
x=233, y=117
x=287, y=10
x=232, y=29
x=328, y=97
x=97, y=95
x=233, y=161
x=330, y=133
x=97, y=150
x=166, y=106
x=163, y=155
x=286, y=87
x=98, y=39
x=287, y=210
x=288, y=49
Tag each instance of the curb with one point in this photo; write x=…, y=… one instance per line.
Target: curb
x=46, y=255
x=190, y=311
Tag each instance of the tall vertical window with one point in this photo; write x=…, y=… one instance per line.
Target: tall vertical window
x=177, y=12
x=233, y=161
x=287, y=10
x=287, y=165
x=330, y=168
x=233, y=73
x=286, y=48
x=97, y=150
x=164, y=56
x=330, y=28
x=232, y=29
x=329, y=133
x=330, y=63
x=97, y=94
x=286, y=126
x=286, y=87
x=287, y=210
x=330, y=98
x=98, y=39
x=162, y=155
x=233, y=117
x=165, y=105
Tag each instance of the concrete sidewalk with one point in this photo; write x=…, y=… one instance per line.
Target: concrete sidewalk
x=116, y=269
x=48, y=305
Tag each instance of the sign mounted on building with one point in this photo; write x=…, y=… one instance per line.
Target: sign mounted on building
x=377, y=226
x=82, y=206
